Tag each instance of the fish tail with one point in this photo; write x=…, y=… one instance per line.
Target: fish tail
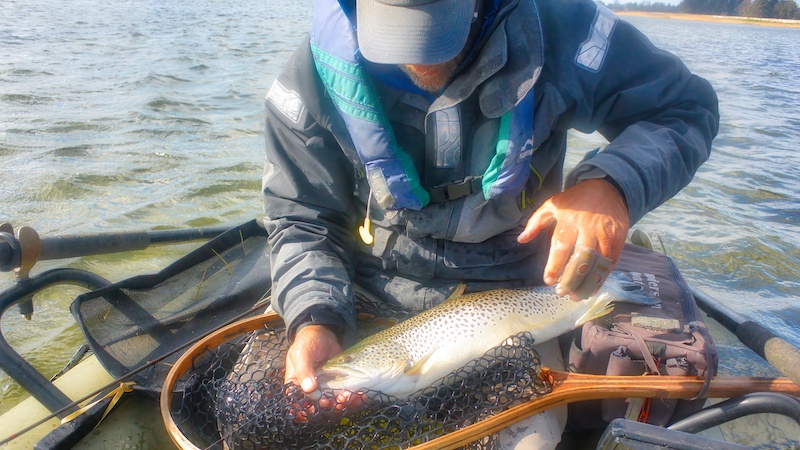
x=621, y=288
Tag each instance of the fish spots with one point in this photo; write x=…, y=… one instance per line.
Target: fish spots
x=461, y=329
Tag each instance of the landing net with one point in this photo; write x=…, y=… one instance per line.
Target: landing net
x=229, y=393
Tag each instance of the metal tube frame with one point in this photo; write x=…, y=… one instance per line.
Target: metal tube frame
x=15, y=365
x=14, y=256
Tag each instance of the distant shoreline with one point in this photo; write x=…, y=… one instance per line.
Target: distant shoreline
x=782, y=23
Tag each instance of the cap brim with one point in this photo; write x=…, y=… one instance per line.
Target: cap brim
x=428, y=34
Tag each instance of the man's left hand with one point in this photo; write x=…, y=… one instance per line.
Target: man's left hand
x=591, y=223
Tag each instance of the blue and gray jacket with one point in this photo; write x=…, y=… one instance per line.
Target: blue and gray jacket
x=449, y=181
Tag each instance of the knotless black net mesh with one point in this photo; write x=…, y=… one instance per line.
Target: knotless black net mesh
x=233, y=396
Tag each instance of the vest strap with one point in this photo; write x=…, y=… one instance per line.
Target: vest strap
x=452, y=191
x=391, y=173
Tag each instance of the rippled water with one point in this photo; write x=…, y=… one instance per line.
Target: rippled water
x=734, y=230
x=143, y=114
x=130, y=116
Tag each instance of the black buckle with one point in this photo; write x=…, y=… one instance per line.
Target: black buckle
x=452, y=191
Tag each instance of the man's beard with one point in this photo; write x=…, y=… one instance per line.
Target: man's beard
x=432, y=78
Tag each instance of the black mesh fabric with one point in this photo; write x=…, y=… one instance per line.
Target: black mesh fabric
x=233, y=396
x=144, y=318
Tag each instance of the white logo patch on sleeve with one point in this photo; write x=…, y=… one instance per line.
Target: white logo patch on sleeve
x=286, y=101
x=592, y=52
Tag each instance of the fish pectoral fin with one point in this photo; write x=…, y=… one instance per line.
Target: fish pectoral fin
x=599, y=308
x=421, y=366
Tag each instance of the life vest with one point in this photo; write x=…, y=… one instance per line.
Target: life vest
x=390, y=171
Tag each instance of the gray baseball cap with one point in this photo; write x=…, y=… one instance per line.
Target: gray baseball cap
x=413, y=31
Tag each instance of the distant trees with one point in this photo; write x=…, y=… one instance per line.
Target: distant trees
x=643, y=6
x=719, y=7
x=777, y=9
x=786, y=9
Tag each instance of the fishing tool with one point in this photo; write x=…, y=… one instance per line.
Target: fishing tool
x=227, y=391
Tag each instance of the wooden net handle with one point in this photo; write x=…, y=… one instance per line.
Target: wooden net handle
x=573, y=387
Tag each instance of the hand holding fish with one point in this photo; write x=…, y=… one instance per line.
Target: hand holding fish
x=312, y=347
x=591, y=224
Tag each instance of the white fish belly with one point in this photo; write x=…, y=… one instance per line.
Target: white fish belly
x=466, y=328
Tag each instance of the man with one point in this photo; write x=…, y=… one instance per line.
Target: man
x=441, y=126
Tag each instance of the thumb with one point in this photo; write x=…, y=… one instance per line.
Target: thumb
x=299, y=368
x=540, y=220
x=313, y=345
x=306, y=375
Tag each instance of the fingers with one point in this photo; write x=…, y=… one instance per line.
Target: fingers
x=312, y=346
x=343, y=400
x=585, y=272
x=301, y=375
x=561, y=247
x=299, y=369
x=576, y=265
x=540, y=220
x=577, y=268
x=591, y=223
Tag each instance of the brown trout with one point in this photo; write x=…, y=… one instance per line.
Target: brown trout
x=415, y=353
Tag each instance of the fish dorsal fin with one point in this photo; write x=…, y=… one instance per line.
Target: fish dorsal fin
x=419, y=368
x=457, y=292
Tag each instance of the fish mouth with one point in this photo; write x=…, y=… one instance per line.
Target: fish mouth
x=337, y=378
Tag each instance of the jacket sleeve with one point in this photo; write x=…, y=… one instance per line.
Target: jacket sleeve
x=658, y=117
x=309, y=205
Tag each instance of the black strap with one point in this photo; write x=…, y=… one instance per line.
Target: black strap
x=646, y=355
x=453, y=191
x=709, y=361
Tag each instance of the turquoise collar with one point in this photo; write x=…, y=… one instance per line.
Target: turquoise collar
x=391, y=174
